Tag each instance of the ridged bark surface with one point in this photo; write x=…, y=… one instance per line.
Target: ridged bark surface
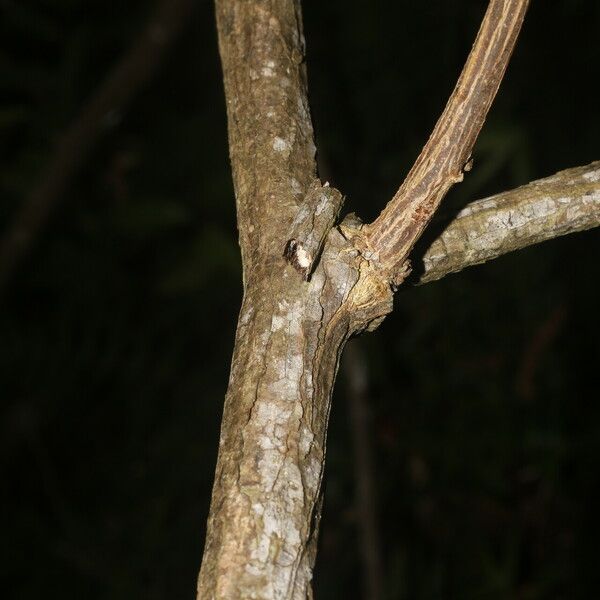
x=566, y=202
x=265, y=505
x=302, y=303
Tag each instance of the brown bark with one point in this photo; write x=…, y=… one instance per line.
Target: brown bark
x=446, y=156
x=266, y=499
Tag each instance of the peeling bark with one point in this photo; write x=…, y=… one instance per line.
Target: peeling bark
x=318, y=214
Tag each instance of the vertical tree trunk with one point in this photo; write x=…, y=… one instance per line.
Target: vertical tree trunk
x=266, y=499
x=309, y=286
x=292, y=326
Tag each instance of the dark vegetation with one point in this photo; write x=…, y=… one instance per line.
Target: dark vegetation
x=116, y=332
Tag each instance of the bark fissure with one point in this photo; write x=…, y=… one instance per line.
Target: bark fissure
x=447, y=154
x=310, y=284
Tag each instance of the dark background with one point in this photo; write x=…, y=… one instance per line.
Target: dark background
x=117, y=331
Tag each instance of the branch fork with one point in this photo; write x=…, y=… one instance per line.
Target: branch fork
x=294, y=322
x=447, y=156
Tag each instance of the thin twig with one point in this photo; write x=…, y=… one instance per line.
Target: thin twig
x=133, y=71
x=446, y=155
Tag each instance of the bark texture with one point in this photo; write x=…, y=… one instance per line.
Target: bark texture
x=309, y=285
x=447, y=154
x=265, y=504
x=566, y=202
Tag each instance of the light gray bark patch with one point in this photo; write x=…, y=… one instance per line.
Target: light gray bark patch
x=563, y=203
x=316, y=216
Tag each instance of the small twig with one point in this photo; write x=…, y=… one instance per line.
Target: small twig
x=356, y=372
x=446, y=155
x=134, y=70
x=566, y=202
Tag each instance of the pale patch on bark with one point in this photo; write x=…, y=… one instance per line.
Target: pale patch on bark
x=563, y=203
x=265, y=507
x=592, y=176
x=281, y=145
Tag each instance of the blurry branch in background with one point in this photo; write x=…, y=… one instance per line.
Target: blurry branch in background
x=563, y=203
x=106, y=105
x=566, y=202
x=356, y=375
x=541, y=341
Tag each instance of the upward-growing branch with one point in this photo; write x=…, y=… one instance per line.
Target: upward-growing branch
x=266, y=503
x=446, y=156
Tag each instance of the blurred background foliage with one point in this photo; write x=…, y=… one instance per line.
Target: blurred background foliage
x=117, y=331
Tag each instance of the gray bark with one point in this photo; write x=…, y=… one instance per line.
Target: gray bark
x=566, y=202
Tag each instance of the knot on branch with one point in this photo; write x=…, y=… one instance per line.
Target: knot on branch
x=370, y=300
x=299, y=257
x=352, y=229
x=371, y=296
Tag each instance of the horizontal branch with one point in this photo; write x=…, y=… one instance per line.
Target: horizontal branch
x=445, y=157
x=566, y=202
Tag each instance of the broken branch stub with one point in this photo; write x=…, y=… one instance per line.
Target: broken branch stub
x=316, y=216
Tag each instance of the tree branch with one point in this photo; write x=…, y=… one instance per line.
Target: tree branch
x=445, y=157
x=281, y=206
x=566, y=202
x=265, y=509
x=266, y=500
x=134, y=70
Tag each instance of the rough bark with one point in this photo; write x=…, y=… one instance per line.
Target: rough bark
x=446, y=156
x=266, y=500
x=262, y=527
x=566, y=202
x=265, y=505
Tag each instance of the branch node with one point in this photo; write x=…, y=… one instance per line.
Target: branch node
x=316, y=216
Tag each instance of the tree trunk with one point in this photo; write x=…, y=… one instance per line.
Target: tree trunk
x=266, y=500
x=309, y=285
